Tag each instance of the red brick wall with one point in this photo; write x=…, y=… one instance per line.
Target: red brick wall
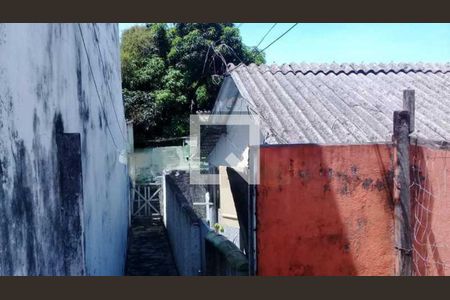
x=325, y=211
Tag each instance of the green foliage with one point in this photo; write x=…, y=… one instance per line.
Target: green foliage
x=167, y=72
x=141, y=108
x=218, y=228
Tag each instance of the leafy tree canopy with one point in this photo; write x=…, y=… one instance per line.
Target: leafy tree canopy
x=169, y=72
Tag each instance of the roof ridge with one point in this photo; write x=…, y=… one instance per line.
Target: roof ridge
x=346, y=68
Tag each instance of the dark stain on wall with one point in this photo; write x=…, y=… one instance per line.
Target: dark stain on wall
x=33, y=243
x=22, y=207
x=100, y=122
x=301, y=270
x=43, y=90
x=58, y=126
x=354, y=170
x=82, y=104
x=83, y=107
x=367, y=183
x=348, y=182
x=304, y=175
x=106, y=69
x=6, y=256
x=70, y=197
x=6, y=102
x=41, y=192
x=327, y=172
x=45, y=177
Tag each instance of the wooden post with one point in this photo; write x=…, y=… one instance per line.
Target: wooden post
x=410, y=106
x=402, y=202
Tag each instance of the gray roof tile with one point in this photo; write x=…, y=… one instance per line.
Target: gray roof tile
x=345, y=103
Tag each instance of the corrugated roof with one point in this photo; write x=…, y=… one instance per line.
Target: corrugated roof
x=344, y=103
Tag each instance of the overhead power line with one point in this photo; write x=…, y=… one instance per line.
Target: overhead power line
x=262, y=39
x=96, y=87
x=292, y=27
x=107, y=83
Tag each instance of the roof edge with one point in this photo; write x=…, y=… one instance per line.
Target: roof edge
x=346, y=68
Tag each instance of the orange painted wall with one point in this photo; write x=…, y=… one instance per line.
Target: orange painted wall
x=325, y=211
x=430, y=196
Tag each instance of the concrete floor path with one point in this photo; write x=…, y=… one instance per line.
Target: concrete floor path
x=149, y=252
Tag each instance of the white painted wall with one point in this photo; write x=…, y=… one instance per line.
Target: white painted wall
x=232, y=148
x=44, y=71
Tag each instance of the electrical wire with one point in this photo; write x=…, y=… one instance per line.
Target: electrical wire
x=263, y=38
x=109, y=87
x=292, y=27
x=95, y=84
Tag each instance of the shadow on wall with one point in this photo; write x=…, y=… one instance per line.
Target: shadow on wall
x=239, y=189
x=325, y=210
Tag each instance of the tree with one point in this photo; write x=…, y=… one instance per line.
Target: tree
x=170, y=72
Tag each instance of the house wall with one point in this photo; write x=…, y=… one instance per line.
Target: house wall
x=325, y=210
x=47, y=89
x=228, y=98
x=231, y=150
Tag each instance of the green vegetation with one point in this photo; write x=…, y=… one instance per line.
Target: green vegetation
x=169, y=72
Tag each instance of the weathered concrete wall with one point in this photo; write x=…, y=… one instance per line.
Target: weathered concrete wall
x=325, y=210
x=223, y=257
x=197, y=250
x=184, y=228
x=46, y=90
x=430, y=198
x=192, y=193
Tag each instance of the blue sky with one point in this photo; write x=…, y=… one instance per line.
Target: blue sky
x=349, y=42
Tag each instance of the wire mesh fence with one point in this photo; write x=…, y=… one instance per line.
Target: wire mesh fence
x=430, y=211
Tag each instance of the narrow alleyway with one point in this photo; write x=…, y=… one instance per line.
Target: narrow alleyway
x=149, y=252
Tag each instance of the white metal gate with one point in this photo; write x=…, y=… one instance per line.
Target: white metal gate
x=145, y=200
